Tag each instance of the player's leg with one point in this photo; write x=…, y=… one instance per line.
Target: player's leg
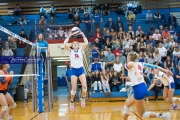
x=82, y=79
x=4, y=105
x=73, y=91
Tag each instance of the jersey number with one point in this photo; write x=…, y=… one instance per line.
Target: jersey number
x=76, y=55
x=140, y=70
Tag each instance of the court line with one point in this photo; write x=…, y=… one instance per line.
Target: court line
x=137, y=115
x=44, y=110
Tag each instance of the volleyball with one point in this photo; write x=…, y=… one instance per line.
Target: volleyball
x=75, y=31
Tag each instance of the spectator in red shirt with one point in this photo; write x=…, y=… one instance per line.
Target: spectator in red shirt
x=165, y=33
x=116, y=51
x=98, y=34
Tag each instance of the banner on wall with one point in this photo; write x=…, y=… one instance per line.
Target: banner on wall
x=56, y=32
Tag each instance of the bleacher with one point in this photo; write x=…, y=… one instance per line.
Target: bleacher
x=31, y=9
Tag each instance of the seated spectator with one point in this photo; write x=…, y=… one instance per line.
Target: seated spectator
x=121, y=58
x=165, y=33
x=157, y=87
x=117, y=65
x=130, y=18
x=106, y=10
x=21, y=44
x=61, y=33
x=28, y=89
x=18, y=22
x=161, y=29
x=98, y=44
x=138, y=31
x=172, y=20
x=119, y=24
x=126, y=42
x=76, y=20
x=1, y=47
x=129, y=89
x=96, y=81
x=120, y=10
x=111, y=71
x=25, y=20
x=52, y=11
x=12, y=45
x=105, y=82
x=157, y=57
x=115, y=81
x=110, y=24
x=130, y=30
x=17, y=10
x=113, y=34
x=7, y=51
x=142, y=44
x=139, y=8
x=109, y=59
x=150, y=41
x=95, y=52
x=142, y=57
x=162, y=21
x=168, y=63
x=116, y=51
x=108, y=43
x=105, y=50
x=172, y=33
x=126, y=51
x=165, y=44
x=98, y=35
x=177, y=78
x=70, y=14
x=108, y=35
x=162, y=52
x=170, y=51
x=156, y=37
x=151, y=31
x=157, y=16
x=140, y=35
x=97, y=7
x=96, y=65
x=171, y=42
x=123, y=75
x=42, y=24
x=52, y=22
x=150, y=58
x=149, y=49
x=176, y=55
x=42, y=11
x=148, y=17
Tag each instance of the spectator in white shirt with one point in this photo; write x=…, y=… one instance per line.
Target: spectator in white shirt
x=156, y=36
x=127, y=42
x=171, y=42
x=117, y=65
x=130, y=30
x=157, y=57
x=7, y=51
x=176, y=55
x=162, y=52
x=61, y=32
x=148, y=17
x=138, y=30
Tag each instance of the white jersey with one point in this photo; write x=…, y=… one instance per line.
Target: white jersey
x=132, y=74
x=76, y=58
x=171, y=79
x=160, y=76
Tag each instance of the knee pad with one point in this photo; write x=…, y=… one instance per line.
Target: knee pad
x=167, y=100
x=126, y=110
x=146, y=114
x=84, y=89
x=13, y=106
x=73, y=92
x=5, y=108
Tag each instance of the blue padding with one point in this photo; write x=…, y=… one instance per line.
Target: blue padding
x=112, y=95
x=177, y=92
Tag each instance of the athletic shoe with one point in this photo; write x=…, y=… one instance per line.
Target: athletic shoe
x=83, y=102
x=72, y=106
x=173, y=107
x=25, y=100
x=165, y=116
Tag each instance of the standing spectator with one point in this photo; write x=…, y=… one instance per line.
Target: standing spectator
x=165, y=33
x=177, y=76
x=52, y=11
x=172, y=20
x=168, y=63
x=22, y=44
x=28, y=88
x=13, y=46
x=95, y=52
x=121, y=58
x=130, y=18
x=105, y=82
x=119, y=24
x=52, y=22
x=115, y=81
x=106, y=10
x=82, y=12
x=110, y=24
x=42, y=43
x=42, y=11
x=148, y=17
x=87, y=24
x=96, y=81
x=76, y=20
x=176, y=55
x=96, y=65
x=109, y=59
x=17, y=10
x=97, y=7
x=117, y=65
x=42, y=24
x=7, y=51
x=97, y=20
x=70, y=14
x=120, y=11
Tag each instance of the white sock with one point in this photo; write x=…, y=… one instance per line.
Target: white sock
x=175, y=99
x=9, y=117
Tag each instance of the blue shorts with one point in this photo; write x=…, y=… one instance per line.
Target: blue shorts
x=172, y=85
x=77, y=71
x=140, y=91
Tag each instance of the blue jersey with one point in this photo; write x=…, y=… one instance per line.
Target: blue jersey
x=94, y=53
x=97, y=18
x=42, y=44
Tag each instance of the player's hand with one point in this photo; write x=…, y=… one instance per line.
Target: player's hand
x=169, y=73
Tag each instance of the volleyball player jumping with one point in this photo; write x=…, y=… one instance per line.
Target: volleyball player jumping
x=169, y=87
x=76, y=59
x=135, y=73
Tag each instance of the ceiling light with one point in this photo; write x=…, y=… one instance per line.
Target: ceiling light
x=63, y=60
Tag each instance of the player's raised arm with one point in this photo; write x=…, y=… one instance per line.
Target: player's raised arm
x=85, y=40
x=67, y=40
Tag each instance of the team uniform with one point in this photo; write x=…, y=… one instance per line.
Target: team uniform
x=76, y=58
x=139, y=87
x=4, y=82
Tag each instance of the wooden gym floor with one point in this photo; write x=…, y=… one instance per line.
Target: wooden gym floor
x=92, y=111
